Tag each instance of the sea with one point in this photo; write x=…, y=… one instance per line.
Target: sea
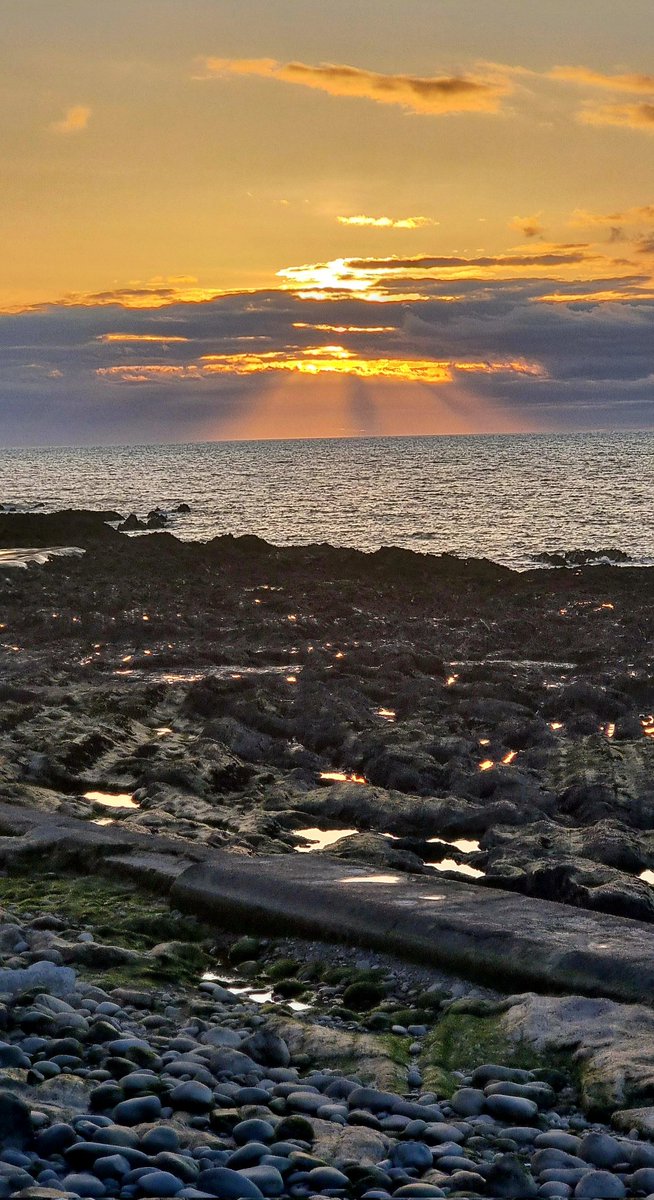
x=509, y=498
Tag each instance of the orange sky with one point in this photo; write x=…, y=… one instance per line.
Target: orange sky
x=220, y=217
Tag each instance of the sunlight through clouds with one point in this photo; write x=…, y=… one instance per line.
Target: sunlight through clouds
x=74, y=120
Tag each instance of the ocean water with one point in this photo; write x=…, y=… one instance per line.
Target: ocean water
x=508, y=497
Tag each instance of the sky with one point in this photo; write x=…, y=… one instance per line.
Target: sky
x=226, y=219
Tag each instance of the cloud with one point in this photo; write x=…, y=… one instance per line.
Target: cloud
x=587, y=77
x=75, y=119
x=530, y=227
x=634, y=116
x=436, y=95
x=388, y=222
x=560, y=338
x=638, y=214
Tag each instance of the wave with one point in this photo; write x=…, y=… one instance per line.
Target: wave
x=584, y=558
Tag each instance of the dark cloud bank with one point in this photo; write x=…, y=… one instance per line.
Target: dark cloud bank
x=59, y=383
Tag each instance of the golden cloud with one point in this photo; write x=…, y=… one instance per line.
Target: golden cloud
x=314, y=361
x=530, y=227
x=130, y=338
x=387, y=222
x=75, y=119
x=587, y=77
x=637, y=215
x=634, y=116
x=432, y=95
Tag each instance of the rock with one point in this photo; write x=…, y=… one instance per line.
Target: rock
x=159, y=1183
x=601, y=1150
x=469, y=1102
x=84, y=1185
x=493, y=1073
x=267, y=1178
x=15, y=1124
x=268, y=1048
x=600, y=1185
x=137, y=1111
x=325, y=1179
x=412, y=1154
x=131, y=523
x=256, y=1129
x=45, y=976
x=511, y=1108
x=192, y=1097
x=508, y=1179
x=228, y=1185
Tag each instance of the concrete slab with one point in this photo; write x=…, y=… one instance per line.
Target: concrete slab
x=507, y=939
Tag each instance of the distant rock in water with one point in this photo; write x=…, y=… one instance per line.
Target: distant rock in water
x=131, y=523
x=583, y=558
x=182, y=508
x=156, y=519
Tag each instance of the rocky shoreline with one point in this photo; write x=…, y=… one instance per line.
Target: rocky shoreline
x=451, y=720
x=421, y=713
x=291, y=1069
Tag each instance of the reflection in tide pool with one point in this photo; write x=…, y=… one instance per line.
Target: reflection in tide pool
x=112, y=799
x=318, y=839
x=648, y=876
x=254, y=992
x=341, y=777
x=449, y=864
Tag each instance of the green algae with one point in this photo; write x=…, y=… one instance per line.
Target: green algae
x=118, y=915
x=462, y=1041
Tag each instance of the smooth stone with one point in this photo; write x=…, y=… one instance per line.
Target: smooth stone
x=84, y=1185
x=556, y=1139
x=113, y=1166
x=228, y=1185
x=417, y=1191
x=642, y=1180
x=601, y=1150
x=600, y=1185
x=15, y=1124
x=324, y=1179
x=192, y=1097
x=159, y=1183
x=267, y=1178
x=412, y=1154
x=493, y=1072
x=255, y=1129
x=436, y=1135
x=555, y=1189
x=508, y=1179
x=247, y=1156
x=157, y=1140
x=137, y=1111
x=469, y=1102
x=511, y=1108
x=550, y=1159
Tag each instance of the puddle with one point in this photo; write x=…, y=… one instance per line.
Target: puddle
x=449, y=864
x=184, y=675
x=370, y=879
x=341, y=777
x=465, y=845
x=102, y=821
x=21, y=557
x=648, y=877
x=112, y=799
x=388, y=714
x=257, y=993
x=318, y=839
